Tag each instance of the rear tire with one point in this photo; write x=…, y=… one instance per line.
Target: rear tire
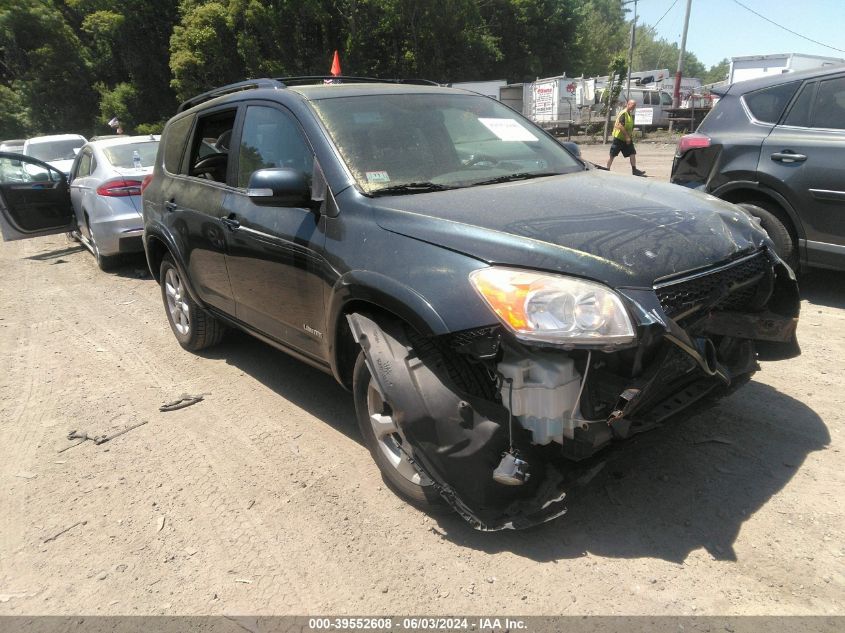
x=785, y=246
x=396, y=471
x=104, y=262
x=193, y=327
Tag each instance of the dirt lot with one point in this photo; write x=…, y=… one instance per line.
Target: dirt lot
x=261, y=499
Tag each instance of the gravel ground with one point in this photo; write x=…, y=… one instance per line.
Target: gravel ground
x=262, y=499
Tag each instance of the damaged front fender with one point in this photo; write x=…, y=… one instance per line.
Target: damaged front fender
x=458, y=439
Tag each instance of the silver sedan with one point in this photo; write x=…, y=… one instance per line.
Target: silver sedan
x=105, y=190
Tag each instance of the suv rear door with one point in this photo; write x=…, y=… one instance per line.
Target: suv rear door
x=34, y=199
x=802, y=159
x=193, y=205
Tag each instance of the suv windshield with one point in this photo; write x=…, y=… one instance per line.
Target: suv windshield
x=55, y=150
x=412, y=143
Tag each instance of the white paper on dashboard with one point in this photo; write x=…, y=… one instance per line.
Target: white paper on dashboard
x=508, y=129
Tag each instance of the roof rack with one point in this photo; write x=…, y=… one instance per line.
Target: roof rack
x=249, y=84
x=282, y=82
x=306, y=79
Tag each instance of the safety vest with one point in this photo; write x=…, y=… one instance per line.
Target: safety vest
x=628, y=124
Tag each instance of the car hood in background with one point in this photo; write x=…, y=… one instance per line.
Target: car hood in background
x=62, y=165
x=621, y=230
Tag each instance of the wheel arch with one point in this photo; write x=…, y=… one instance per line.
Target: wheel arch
x=157, y=245
x=380, y=297
x=750, y=191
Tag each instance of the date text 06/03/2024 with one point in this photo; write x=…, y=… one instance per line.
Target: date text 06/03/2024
x=417, y=624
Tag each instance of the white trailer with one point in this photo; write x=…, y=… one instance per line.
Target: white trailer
x=559, y=103
x=753, y=66
x=487, y=88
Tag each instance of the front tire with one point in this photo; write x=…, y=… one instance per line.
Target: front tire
x=774, y=226
x=193, y=327
x=384, y=440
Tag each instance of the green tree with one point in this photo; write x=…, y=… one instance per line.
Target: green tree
x=719, y=72
x=45, y=63
x=444, y=40
x=602, y=32
x=130, y=42
x=203, y=49
x=651, y=53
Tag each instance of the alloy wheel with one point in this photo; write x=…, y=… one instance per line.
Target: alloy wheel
x=177, y=305
x=389, y=438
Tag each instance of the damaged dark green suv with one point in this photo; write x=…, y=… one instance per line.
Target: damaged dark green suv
x=492, y=301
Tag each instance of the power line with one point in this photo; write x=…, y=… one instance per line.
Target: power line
x=664, y=15
x=788, y=30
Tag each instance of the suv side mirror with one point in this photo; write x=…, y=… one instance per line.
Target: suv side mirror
x=280, y=186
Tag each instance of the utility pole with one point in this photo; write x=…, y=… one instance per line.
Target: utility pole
x=631, y=48
x=676, y=96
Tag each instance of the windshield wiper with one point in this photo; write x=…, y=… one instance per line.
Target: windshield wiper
x=526, y=175
x=411, y=187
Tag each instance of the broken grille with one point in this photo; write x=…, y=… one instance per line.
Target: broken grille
x=731, y=287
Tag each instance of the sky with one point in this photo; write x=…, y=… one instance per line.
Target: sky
x=722, y=28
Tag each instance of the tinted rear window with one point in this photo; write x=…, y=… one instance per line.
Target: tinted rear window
x=175, y=138
x=123, y=156
x=768, y=104
x=830, y=104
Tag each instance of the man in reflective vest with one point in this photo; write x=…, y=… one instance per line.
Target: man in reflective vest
x=623, y=138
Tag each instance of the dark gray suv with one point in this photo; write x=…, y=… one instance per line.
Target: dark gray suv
x=776, y=146
x=495, y=304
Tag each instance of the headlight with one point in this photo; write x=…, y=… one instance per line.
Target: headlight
x=554, y=308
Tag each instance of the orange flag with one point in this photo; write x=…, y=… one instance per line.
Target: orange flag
x=336, y=66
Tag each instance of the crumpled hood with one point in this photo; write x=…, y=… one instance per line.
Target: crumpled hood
x=621, y=230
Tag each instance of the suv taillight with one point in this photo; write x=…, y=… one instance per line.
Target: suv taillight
x=145, y=183
x=692, y=141
x=120, y=188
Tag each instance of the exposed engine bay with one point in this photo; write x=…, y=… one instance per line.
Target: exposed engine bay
x=483, y=411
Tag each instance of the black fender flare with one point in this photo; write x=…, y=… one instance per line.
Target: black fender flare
x=768, y=191
x=385, y=293
x=158, y=231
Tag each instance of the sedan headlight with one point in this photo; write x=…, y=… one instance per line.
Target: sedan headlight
x=554, y=308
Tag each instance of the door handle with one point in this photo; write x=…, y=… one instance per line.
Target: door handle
x=231, y=223
x=170, y=205
x=787, y=156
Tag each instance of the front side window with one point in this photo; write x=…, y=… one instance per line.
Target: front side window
x=271, y=138
x=830, y=105
x=410, y=143
x=767, y=105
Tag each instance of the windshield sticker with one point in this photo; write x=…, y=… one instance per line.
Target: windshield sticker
x=377, y=176
x=508, y=129
x=367, y=117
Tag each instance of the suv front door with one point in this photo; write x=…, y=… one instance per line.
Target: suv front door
x=275, y=256
x=34, y=199
x=802, y=159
